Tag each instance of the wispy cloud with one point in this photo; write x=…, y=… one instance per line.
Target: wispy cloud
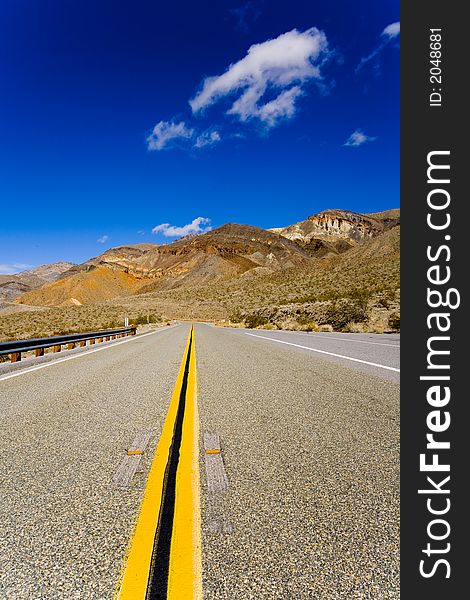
x=283, y=106
x=392, y=30
x=166, y=133
x=357, y=138
x=207, y=138
x=103, y=239
x=390, y=33
x=279, y=66
x=196, y=226
x=11, y=269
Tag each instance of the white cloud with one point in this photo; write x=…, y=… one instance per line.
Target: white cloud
x=281, y=107
x=281, y=65
x=207, y=138
x=390, y=32
x=103, y=239
x=174, y=231
x=11, y=269
x=165, y=133
x=357, y=138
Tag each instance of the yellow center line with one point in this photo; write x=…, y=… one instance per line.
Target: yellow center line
x=184, y=578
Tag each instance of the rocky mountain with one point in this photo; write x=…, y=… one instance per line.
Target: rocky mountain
x=337, y=269
x=241, y=258
x=49, y=272
x=12, y=286
x=84, y=287
x=224, y=253
x=334, y=231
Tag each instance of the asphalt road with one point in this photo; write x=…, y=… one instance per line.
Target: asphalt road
x=374, y=354
x=310, y=444
x=65, y=428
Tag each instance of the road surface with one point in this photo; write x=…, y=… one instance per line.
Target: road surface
x=309, y=438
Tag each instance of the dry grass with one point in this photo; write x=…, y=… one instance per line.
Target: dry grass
x=74, y=319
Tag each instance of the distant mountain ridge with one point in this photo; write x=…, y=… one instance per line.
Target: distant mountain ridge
x=229, y=253
x=49, y=272
x=13, y=285
x=226, y=252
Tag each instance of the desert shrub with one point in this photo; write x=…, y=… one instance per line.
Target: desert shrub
x=325, y=328
x=113, y=324
x=361, y=297
x=331, y=294
x=255, y=320
x=394, y=321
x=144, y=319
x=310, y=326
x=301, y=299
x=354, y=328
x=306, y=323
x=235, y=316
x=288, y=324
x=339, y=314
x=386, y=298
x=138, y=320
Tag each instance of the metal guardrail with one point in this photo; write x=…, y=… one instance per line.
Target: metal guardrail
x=16, y=347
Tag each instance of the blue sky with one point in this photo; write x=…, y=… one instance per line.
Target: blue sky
x=119, y=118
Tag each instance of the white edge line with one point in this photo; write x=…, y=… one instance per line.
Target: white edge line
x=86, y=353
x=365, y=362
x=318, y=335
x=329, y=337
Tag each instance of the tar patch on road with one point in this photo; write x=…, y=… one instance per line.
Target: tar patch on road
x=130, y=463
x=217, y=484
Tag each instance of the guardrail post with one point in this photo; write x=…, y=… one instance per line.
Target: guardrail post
x=56, y=348
x=39, y=351
x=15, y=356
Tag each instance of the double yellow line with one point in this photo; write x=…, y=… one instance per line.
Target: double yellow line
x=170, y=506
